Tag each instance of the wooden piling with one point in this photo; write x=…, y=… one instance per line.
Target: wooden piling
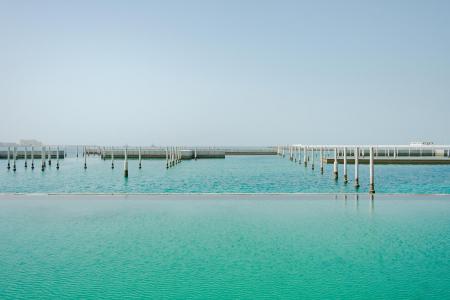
x=312, y=158
x=49, y=156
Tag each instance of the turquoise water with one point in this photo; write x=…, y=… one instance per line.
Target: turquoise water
x=234, y=174
x=247, y=247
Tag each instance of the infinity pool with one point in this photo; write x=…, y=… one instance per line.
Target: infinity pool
x=224, y=247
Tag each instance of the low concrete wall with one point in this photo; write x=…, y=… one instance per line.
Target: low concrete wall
x=434, y=160
x=210, y=154
x=37, y=154
x=382, y=152
x=161, y=154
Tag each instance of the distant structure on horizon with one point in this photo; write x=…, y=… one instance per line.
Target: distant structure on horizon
x=7, y=144
x=34, y=143
x=418, y=144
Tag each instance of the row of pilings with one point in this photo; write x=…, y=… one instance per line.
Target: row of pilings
x=173, y=155
x=304, y=155
x=44, y=153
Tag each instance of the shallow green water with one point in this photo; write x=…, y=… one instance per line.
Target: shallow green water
x=224, y=247
x=234, y=174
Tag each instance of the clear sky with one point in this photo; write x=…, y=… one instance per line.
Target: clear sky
x=225, y=72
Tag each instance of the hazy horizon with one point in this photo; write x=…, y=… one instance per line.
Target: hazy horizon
x=225, y=73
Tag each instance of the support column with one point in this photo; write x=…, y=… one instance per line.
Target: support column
x=140, y=159
x=294, y=154
x=356, y=167
x=321, y=160
x=112, y=157
x=335, y=165
x=32, y=158
x=85, y=155
x=125, y=164
x=9, y=163
x=26, y=158
x=57, y=158
x=345, y=166
x=305, y=156
x=167, y=158
x=43, y=159
x=14, y=158
x=371, y=171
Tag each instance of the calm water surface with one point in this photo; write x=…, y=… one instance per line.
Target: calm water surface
x=248, y=247
x=234, y=174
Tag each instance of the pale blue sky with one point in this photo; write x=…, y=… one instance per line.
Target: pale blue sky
x=225, y=72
